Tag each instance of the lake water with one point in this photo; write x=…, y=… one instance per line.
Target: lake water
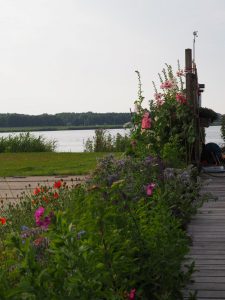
x=74, y=140
x=213, y=135
x=69, y=140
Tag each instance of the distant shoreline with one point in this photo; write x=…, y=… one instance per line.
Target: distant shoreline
x=56, y=128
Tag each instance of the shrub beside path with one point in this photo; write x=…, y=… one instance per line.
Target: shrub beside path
x=13, y=188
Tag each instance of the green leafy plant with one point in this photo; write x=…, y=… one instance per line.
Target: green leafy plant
x=105, y=142
x=26, y=142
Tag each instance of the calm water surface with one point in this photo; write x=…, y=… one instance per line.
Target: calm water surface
x=69, y=140
x=74, y=140
x=213, y=135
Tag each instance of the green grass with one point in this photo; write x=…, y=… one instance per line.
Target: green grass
x=47, y=163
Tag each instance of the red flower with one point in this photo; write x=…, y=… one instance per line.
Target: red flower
x=57, y=184
x=45, y=199
x=181, y=98
x=37, y=190
x=56, y=195
x=3, y=220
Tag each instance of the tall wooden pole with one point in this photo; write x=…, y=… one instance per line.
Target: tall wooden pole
x=192, y=99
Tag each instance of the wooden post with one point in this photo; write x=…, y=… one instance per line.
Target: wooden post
x=192, y=99
x=188, y=60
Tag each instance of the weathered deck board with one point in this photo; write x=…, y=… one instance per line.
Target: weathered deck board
x=207, y=232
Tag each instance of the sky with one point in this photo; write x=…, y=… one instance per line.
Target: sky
x=81, y=55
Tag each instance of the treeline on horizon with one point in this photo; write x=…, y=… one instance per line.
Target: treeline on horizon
x=64, y=119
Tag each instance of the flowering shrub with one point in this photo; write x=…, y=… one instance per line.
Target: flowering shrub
x=169, y=131
x=50, y=196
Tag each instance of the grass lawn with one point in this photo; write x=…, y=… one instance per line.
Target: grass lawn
x=31, y=164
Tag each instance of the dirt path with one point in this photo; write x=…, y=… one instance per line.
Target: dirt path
x=12, y=188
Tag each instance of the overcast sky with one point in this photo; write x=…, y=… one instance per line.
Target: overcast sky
x=81, y=55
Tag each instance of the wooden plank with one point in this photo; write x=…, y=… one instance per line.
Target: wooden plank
x=209, y=279
x=215, y=295
x=210, y=286
x=208, y=273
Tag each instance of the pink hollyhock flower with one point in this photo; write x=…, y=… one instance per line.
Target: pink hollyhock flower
x=168, y=84
x=132, y=294
x=146, y=121
x=158, y=96
x=160, y=102
x=181, y=98
x=149, y=189
x=180, y=73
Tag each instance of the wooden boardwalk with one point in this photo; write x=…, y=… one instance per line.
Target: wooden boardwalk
x=207, y=230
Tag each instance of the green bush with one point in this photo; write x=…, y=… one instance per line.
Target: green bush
x=105, y=142
x=26, y=142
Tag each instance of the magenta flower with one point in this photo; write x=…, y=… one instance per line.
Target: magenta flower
x=146, y=121
x=149, y=189
x=40, y=219
x=132, y=294
x=39, y=212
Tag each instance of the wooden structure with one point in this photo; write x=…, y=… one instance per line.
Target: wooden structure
x=207, y=232
x=193, y=95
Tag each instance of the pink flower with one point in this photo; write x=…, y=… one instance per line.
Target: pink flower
x=158, y=96
x=39, y=212
x=160, y=102
x=181, y=98
x=40, y=219
x=149, y=189
x=180, y=73
x=132, y=294
x=167, y=85
x=146, y=121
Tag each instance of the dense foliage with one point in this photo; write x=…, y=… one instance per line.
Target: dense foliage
x=117, y=236
x=64, y=119
x=26, y=142
x=208, y=113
